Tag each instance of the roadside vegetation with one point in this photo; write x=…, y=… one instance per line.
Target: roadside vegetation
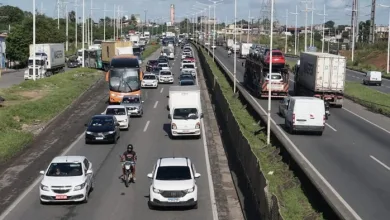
x=150, y=49
x=31, y=104
x=282, y=182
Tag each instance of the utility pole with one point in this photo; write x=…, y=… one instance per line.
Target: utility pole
x=34, y=40
x=58, y=14
x=306, y=10
x=247, y=35
x=67, y=27
x=323, y=29
x=372, y=23
x=296, y=28
x=143, y=31
x=91, y=17
x=83, y=40
x=312, y=24
x=114, y=22
x=76, y=19
x=285, y=46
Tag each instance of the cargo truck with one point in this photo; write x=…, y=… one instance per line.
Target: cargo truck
x=111, y=49
x=229, y=44
x=244, y=50
x=49, y=60
x=256, y=79
x=321, y=75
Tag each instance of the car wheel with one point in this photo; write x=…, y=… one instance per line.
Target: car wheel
x=87, y=142
x=42, y=202
x=151, y=207
x=195, y=206
x=86, y=197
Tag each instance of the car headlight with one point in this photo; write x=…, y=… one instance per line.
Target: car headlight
x=156, y=190
x=113, y=94
x=88, y=132
x=125, y=120
x=80, y=187
x=44, y=188
x=174, y=126
x=191, y=190
x=111, y=132
x=155, y=81
x=197, y=126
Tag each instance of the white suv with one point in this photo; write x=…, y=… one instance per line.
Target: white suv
x=173, y=183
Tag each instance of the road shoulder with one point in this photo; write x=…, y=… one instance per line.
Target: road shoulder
x=227, y=202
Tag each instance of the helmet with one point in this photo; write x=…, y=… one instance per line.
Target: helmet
x=130, y=147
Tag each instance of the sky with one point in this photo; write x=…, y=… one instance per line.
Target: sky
x=337, y=10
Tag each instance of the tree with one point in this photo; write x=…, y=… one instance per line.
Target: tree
x=345, y=35
x=72, y=16
x=133, y=20
x=329, y=24
x=11, y=14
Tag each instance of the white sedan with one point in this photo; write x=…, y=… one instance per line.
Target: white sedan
x=149, y=80
x=120, y=113
x=67, y=179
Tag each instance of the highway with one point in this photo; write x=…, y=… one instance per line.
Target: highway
x=354, y=76
x=110, y=198
x=353, y=154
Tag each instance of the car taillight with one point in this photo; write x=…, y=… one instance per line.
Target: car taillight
x=293, y=119
x=173, y=126
x=324, y=119
x=267, y=59
x=197, y=126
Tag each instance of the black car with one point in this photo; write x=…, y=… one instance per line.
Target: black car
x=163, y=59
x=186, y=79
x=151, y=64
x=102, y=128
x=73, y=63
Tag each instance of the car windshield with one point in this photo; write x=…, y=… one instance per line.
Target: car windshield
x=131, y=100
x=187, y=83
x=275, y=76
x=124, y=80
x=165, y=73
x=163, y=65
x=277, y=54
x=149, y=77
x=102, y=122
x=153, y=62
x=185, y=76
x=173, y=173
x=115, y=111
x=188, y=67
x=65, y=169
x=185, y=113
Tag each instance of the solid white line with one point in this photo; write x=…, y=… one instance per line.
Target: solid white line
x=380, y=162
x=367, y=120
x=162, y=89
x=330, y=127
x=146, y=126
x=155, y=104
x=338, y=196
x=35, y=183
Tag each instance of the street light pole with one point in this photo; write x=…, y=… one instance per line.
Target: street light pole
x=91, y=33
x=388, y=40
x=83, y=37
x=323, y=29
x=247, y=34
x=114, y=23
x=306, y=11
x=143, y=32
x=34, y=24
x=58, y=14
x=270, y=72
x=296, y=28
x=67, y=28
x=235, y=42
x=76, y=19
x=285, y=46
x=312, y=23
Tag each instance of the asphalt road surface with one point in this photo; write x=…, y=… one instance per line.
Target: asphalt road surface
x=110, y=198
x=353, y=154
x=13, y=78
x=354, y=76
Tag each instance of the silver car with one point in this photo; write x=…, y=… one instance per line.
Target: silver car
x=283, y=106
x=134, y=105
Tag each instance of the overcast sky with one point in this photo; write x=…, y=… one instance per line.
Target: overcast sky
x=336, y=10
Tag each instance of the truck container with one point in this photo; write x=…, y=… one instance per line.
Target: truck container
x=111, y=49
x=321, y=75
x=49, y=60
x=244, y=50
x=256, y=81
x=220, y=40
x=185, y=111
x=229, y=44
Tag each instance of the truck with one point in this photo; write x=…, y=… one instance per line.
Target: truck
x=219, y=41
x=256, y=79
x=244, y=49
x=134, y=39
x=185, y=111
x=321, y=75
x=147, y=35
x=236, y=47
x=49, y=60
x=111, y=49
x=229, y=44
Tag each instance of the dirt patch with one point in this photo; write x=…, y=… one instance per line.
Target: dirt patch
x=34, y=95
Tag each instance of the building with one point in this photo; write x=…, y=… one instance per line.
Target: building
x=2, y=51
x=172, y=14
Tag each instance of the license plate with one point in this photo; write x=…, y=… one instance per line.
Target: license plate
x=61, y=197
x=99, y=138
x=173, y=200
x=186, y=131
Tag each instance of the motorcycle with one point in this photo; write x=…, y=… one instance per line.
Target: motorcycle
x=128, y=178
x=327, y=112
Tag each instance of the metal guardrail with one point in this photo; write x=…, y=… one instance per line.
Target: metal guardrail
x=329, y=195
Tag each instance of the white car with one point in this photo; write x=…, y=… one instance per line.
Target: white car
x=67, y=179
x=165, y=76
x=149, y=80
x=275, y=77
x=163, y=66
x=207, y=44
x=185, y=54
x=121, y=114
x=173, y=183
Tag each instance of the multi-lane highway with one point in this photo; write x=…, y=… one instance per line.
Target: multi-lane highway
x=110, y=198
x=354, y=76
x=353, y=154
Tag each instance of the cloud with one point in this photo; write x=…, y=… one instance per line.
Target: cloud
x=336, y=3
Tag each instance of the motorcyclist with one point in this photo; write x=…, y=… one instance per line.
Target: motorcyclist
x=129, y=155
x=229, y=53
x=327, y=107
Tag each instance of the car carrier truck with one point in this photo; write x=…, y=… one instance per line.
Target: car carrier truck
x=321, y=75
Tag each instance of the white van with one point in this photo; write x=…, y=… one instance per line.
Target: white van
x=305, y=114
x=373, y=77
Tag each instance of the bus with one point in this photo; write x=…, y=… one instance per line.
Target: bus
x=124, y=78
x=93, y=58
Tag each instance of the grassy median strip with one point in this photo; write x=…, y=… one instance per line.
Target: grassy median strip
x=282, y=182
x=150, y=49
x=372, y=99
x=31, y=104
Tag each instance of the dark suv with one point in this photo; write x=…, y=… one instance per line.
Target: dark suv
x=150, y=65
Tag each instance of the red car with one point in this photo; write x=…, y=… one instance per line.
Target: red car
x=278, y=60
x=191, y=59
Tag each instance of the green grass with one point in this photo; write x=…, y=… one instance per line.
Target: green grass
x=34, y=103
x=294, y=204
x=372, y=99
x=150, y=49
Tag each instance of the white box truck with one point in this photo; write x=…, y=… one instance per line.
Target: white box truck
x=229, y=44
x=185, y=111
x=49, y=60
x=244, y=49
x=321, y=75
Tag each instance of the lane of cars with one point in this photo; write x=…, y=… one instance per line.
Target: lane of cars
x=343, y=155
x=172, y=178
